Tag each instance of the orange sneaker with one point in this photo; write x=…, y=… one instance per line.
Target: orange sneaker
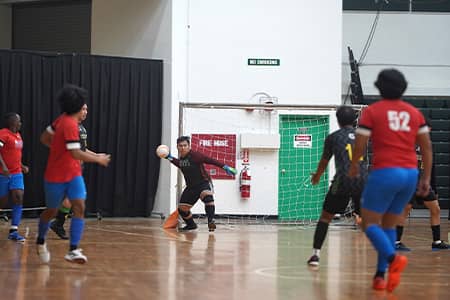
x=395, y=269
x=379, y=283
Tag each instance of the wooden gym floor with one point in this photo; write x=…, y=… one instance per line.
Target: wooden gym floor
x=136, y=259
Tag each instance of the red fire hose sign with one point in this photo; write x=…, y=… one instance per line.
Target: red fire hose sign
x=221, y=147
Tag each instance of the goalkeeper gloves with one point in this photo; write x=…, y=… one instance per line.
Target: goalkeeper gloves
x=169, y=157
x=229, y=170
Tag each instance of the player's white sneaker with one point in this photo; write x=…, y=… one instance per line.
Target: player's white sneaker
x=76, y=256
x=43, y=253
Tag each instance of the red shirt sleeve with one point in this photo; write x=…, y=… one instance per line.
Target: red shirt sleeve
x=366, y=119
x=71, y=135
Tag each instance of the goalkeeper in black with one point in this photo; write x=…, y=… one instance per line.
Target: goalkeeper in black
x=198, y=182
x=343, y=188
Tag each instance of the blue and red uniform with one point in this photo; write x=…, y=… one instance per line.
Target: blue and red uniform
x=11, y=146
x=63, y=172
x=393, y=126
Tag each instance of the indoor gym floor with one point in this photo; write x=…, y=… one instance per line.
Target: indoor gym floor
x=136, y=259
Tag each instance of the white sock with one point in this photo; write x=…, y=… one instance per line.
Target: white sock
x=316, y=252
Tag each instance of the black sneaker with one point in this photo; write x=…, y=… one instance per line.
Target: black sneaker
x=188, y=228
x=439, y=245
x=59, y=230
x=313, y=261
x=399, y=246
x=212, y=226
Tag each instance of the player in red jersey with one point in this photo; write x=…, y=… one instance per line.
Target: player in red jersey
x=63, y=173
x=11, y=177
x=198, y=182
x=394, y=127
x=57, y=225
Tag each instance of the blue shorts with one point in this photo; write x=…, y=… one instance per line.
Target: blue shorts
x=55, y=192
x=389, y=190
x=11, y=182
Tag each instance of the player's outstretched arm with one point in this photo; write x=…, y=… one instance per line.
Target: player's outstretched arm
x=99, y=158
x=323, y=163
x=175, y=161
x=229, y=170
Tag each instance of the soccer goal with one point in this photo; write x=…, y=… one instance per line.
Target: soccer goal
x=275, y=148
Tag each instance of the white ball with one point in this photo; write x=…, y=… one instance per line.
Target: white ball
x=162, y=151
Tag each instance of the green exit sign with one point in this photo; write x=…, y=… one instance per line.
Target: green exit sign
x=263, y=62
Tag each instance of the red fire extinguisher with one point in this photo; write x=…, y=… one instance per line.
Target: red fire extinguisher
x=244, y=183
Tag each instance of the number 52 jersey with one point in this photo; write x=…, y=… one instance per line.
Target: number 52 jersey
x=393, y=126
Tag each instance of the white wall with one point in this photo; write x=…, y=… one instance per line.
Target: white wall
x=5, y=27
x=263, y=163
x=404, y=40
x=304, y=35
x=221, y=35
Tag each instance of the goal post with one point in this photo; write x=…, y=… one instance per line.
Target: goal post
x=280, y=145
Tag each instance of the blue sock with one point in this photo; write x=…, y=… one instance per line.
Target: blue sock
x=76, y=232
x=380, y=241
x=391, y=234
x=382, y=263
x=16, y=215
x=42, y=230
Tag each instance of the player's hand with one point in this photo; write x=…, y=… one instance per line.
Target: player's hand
x=169, y=157
x=103, y=159
x=25, y=169
x=353, y=171
x=229, y=170
x=423, y=188
x=5, y=172
x=315, y=178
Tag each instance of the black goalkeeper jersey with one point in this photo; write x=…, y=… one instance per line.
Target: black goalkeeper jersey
x=83, y=137
x=340, y=145
x=192, y=167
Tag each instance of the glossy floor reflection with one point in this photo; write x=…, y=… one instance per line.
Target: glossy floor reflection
x=136, y=259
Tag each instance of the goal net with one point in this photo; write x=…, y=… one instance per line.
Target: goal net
x=279, y=146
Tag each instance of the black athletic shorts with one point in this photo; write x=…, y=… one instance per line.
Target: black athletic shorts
x=420, y=200
x=339, y=196
x=191, y=195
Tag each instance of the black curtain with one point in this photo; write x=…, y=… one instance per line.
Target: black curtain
x=124, y=119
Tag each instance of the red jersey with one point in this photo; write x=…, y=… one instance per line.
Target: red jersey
x=61, y=166
x=393, y=126
x=11, y=145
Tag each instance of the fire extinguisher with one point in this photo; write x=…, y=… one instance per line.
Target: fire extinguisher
x=244, y=183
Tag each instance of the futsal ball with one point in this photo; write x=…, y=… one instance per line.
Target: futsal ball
x=162, y=151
